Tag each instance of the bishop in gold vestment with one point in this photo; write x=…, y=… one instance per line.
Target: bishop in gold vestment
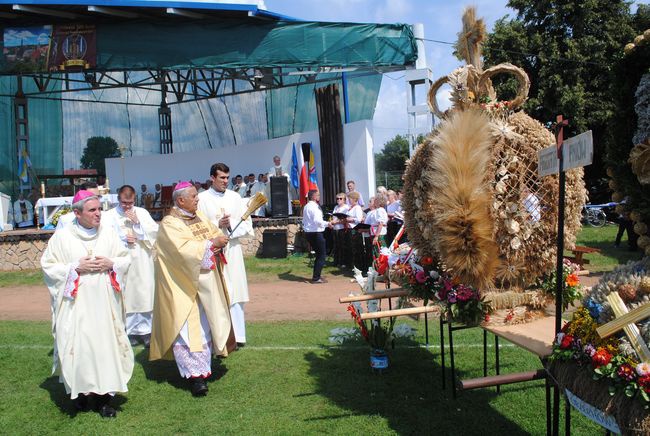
x=191, y=319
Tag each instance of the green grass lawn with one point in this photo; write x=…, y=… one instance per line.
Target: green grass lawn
x=288, y=380
x=603, y=238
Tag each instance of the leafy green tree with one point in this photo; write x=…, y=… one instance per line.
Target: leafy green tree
x=97, y=149
x=569, y=49
x=394, y=155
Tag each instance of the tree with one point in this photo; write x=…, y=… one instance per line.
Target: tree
x=392, y=159
x=394, y=155
x=97, y=149
x=569, y=49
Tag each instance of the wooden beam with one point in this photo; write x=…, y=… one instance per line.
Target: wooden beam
x=626, y=321
x=374, y=296
x=399, y=312
x=498, y=380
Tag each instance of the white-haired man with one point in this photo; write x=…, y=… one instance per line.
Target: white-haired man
x=137, y=231
x=83, y=267
x=191, y=321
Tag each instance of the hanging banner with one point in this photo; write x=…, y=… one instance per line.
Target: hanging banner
x=26, y=49
x=73, y=47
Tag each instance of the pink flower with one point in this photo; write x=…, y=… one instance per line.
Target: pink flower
x=420, y=276
x=643, y=369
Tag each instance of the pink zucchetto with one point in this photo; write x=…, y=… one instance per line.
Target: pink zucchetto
x=82, y=195
x=183, y=185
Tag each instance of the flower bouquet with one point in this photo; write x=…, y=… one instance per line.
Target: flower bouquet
x=59, y=213
x=571, y=290
x=426, y=280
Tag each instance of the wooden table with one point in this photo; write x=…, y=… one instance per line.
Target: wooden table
x=578, y=251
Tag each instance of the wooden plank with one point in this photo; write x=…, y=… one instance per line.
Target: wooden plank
x=498, y=380
x=398, y=312
x=374, y=296
x=536, y=336
x=583, y=249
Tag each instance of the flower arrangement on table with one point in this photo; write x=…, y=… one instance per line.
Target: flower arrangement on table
x=426, y=280
x=609, y=373
x=59, y=213
x=571, y=290
x=578, y=342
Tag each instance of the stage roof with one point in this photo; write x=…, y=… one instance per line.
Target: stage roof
x=144, y=35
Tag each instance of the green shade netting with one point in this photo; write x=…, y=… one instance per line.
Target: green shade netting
x=45, y=131
x=249, y=44
x=293, y=109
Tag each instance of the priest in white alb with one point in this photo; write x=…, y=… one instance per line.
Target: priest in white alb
x=224, y=208
x=23, y=212
x=191, y=320
x=83, y=266
x=137, y=231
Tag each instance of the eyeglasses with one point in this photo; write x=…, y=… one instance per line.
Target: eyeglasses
x=340, y=198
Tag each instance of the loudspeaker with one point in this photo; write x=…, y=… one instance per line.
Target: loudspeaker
x=274, y=243
x=279, y=197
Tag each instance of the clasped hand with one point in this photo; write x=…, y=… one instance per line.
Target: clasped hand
x=89, y=265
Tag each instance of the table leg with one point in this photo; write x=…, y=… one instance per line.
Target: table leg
x=442, y=351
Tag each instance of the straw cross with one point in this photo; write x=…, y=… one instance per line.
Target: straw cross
x=625, y=320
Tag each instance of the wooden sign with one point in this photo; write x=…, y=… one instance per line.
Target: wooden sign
x=578, y=151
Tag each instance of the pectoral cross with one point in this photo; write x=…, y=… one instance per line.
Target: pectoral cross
x=625, y=320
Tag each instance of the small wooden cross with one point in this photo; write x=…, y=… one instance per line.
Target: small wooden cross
x=626, y=320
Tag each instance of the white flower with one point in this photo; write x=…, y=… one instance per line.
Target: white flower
x=643, y=368
x=502, y=170
x=559, y=337
x=515, y=244
x=500, y=187
x=496, y=205
x=434, y=275
x=512, y=226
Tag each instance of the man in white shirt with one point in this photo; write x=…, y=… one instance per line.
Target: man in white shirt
x=224, y=208
x=352, y=188
x=314, y=226
x=238, y=185
x=23, y=212
x=137, y=231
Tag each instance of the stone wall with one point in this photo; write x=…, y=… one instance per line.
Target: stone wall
x=22, y=249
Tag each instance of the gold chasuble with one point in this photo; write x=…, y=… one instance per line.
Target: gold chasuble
x=181, y=284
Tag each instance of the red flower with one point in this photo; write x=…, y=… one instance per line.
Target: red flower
x=426, y=260
x=626, y=372
x=600, y=358
x=644, y=382
x=567, y=340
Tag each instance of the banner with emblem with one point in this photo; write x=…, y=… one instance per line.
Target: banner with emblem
x=73, y=47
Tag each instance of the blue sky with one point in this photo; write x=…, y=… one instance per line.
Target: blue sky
x=441, y=20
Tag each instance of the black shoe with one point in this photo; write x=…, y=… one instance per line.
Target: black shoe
x=102, y=405
x=198, y=387
x=134, y=340
x=241, y=344
x=81, y=403
x=107, y=411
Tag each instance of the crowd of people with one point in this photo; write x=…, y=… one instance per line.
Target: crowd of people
x=357, y=234
x=109, y=292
